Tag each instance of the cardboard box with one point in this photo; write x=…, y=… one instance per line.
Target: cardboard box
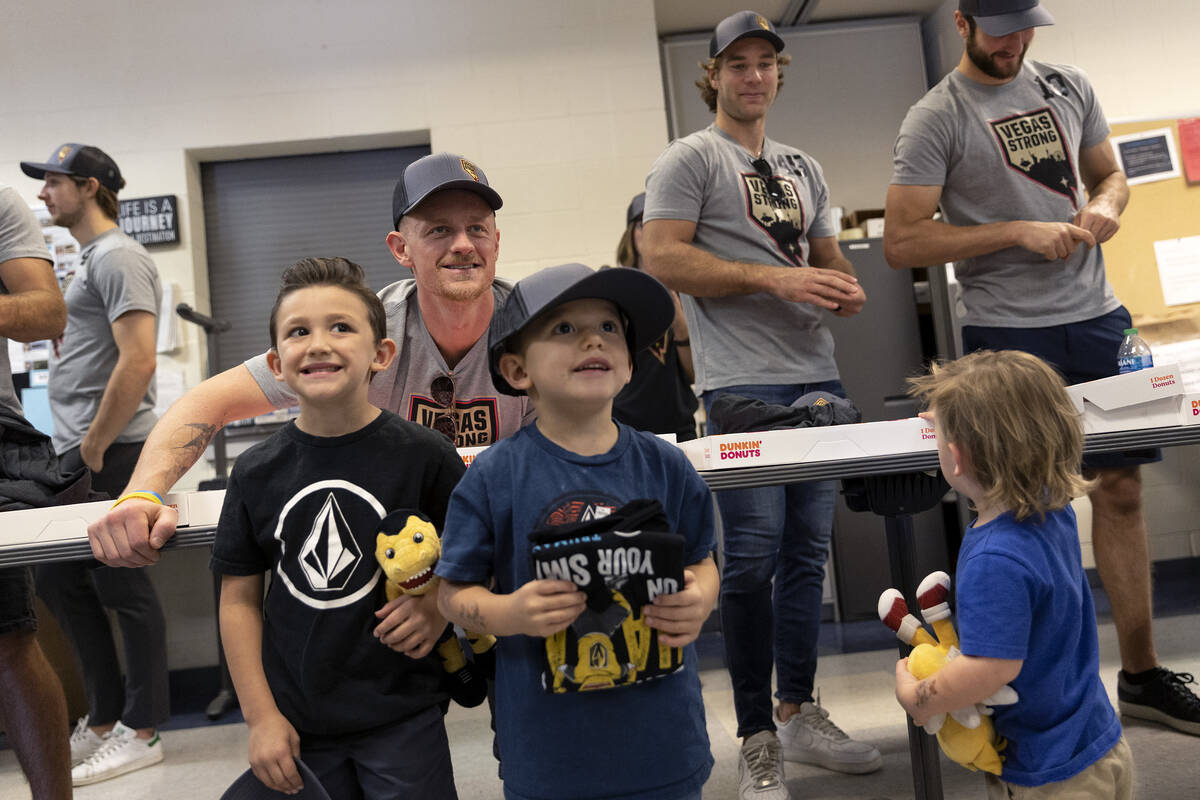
x=204, y=508
x=1189, y=408
x=1148, y=398
x=800, y=445
x=67, y=523
x=858, y=219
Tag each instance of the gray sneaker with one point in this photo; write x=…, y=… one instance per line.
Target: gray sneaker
x=760, y=769
x=809, y=737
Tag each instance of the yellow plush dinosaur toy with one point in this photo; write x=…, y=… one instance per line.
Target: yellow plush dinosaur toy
x=967, y=736
x=407, y=548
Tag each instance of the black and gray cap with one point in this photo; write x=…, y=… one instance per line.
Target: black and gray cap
x=741, y=25
x=436, y=172
x=637, y=207
x=81, y=160
x=1002, y=17
x=645, y=302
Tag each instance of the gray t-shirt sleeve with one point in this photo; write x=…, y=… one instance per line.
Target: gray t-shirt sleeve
x=921, y=156
x=278, y=393
x=676, y=183
x=126, y=281
x=1095, y=126
x=20, y=236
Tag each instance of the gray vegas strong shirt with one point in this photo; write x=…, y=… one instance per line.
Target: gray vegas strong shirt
x=1011, y=152
x=404, y=388
x=708, y=178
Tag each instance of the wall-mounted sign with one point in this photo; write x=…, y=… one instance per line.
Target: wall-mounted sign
x=1147, y=156
x=151, y=220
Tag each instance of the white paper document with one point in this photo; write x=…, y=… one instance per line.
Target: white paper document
x=1179, y=269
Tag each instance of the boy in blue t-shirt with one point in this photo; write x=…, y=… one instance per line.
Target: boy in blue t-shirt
x=565, y=336
x=324, y=667
x=1009, y=439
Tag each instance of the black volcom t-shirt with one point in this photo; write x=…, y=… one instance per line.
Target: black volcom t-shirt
x=307, y=509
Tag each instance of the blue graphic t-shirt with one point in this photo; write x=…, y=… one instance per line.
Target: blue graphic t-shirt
x=307, y=509
x=643, y=741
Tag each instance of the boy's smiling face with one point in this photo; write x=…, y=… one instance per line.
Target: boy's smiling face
x=574, y=354
x=326, y=350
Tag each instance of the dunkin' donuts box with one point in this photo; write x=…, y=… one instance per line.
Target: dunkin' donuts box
x=1148, y=398
x=801, y=445
x=1189, y=408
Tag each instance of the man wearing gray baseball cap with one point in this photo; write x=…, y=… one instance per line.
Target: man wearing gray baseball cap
x=443, y=214
x=739, y=225
x=1016, y=154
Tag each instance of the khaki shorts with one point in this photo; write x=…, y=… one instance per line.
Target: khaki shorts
x=1110, y=777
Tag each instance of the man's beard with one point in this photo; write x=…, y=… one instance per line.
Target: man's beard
x=987, y=63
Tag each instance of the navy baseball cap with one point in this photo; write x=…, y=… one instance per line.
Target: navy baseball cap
x=637, y=207
x=739, y=26
x=645, y=302
x=436, y=172
x=81, y=160
x=1002, y=17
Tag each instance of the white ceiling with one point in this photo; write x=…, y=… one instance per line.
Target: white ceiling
x=687, y=16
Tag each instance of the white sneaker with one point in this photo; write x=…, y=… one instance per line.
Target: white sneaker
x=809, y=737
x=121, y=752
x=84, y=741
x=760, y=769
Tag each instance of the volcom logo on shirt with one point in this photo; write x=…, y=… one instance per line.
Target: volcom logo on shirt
x=774, y=205
x=1033, y=144
x=478, y=419
x=321, y=562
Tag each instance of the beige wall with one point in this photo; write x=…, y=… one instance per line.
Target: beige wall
x=559, y=101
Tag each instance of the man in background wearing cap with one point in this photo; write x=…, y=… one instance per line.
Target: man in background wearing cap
x=739, y=225
x=31, y=699
x=444, y=217
x=102, y=397
x=1017, y=155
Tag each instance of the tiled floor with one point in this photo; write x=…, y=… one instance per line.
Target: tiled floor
x=855, y=680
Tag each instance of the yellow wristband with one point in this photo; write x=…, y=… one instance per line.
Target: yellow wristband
x=151, y=496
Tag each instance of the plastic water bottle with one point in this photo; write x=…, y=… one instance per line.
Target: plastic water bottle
x=1134, y=353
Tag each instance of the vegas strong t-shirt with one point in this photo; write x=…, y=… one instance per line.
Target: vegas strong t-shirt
x=1011, y=152
x=708, y=178
x=484, y=414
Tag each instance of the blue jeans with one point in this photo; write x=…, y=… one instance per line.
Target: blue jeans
x=776, y=534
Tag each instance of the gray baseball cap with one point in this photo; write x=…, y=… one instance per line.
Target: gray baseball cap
x=637, y=207
x=645, y=302
x=1002, y=17
x=739, y=26
x=81, y=160
x=436, y=172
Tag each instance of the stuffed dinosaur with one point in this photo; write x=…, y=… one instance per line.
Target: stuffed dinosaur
x=407, y=547
x=967, y=736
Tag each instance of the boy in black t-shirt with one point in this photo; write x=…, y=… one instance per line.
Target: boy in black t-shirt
x=324, y=669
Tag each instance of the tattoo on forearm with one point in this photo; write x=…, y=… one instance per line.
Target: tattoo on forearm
x=926, y=690
x=192, y=438
x=473, y=617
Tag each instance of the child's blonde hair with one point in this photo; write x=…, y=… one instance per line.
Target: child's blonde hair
x=1011, y=414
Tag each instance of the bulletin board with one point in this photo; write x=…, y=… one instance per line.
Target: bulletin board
x=1166, y=209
